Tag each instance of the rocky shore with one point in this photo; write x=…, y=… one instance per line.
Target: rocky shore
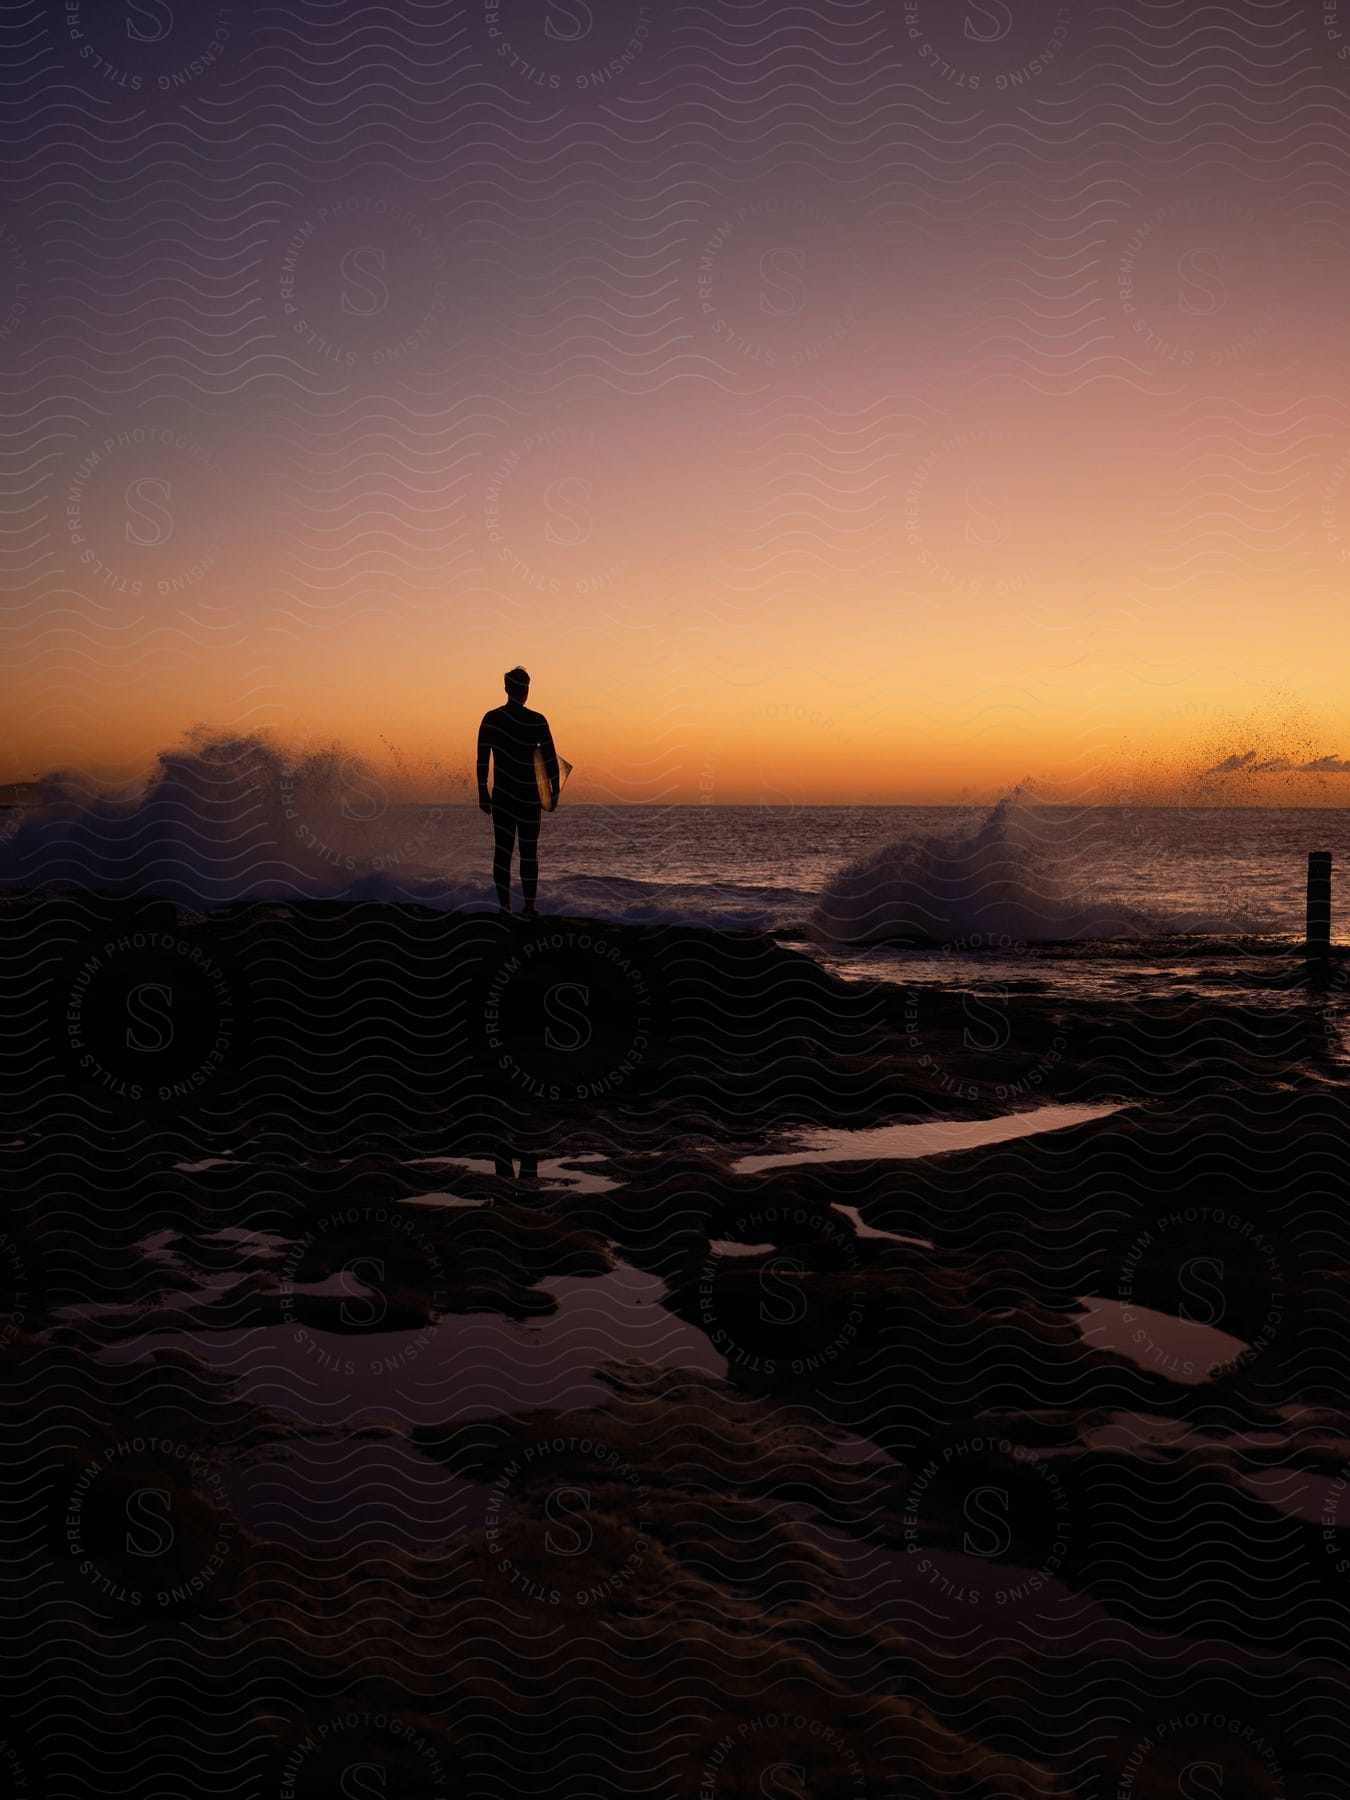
x=414, y=1367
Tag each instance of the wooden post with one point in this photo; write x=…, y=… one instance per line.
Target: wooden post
x=1319, y=906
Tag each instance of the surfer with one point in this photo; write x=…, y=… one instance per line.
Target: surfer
x=511, y=735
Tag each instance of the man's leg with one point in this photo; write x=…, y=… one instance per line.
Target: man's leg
x=528, y=826
x=504, y=833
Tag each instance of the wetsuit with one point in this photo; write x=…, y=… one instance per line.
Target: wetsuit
x=510, y=734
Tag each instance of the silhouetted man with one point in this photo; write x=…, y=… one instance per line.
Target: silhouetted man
x=511, y=734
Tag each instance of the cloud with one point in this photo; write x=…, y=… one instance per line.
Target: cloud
x=1231, y=764
x=1245, y=762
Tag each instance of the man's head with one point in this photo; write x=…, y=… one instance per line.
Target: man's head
x=517, y=684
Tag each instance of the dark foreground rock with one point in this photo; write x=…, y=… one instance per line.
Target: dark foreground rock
x=886, y=1508
x=335, y=1026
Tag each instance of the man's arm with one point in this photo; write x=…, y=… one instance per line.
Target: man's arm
x=550, y=760
x=484, y=746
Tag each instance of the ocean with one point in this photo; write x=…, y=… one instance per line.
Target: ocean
x=1155, y=871
x=235, y=820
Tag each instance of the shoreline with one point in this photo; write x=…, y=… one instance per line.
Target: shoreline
x=710, y=1359
x=325, y=1012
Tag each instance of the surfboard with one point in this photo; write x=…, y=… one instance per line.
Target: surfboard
x=546, y=798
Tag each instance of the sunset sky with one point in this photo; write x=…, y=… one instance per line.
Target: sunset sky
x=872, y=403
